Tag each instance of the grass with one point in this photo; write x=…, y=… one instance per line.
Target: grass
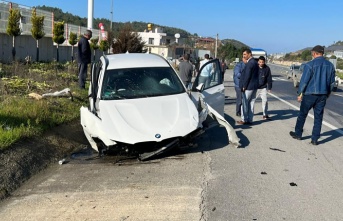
x=340, y=74
x=24, y=117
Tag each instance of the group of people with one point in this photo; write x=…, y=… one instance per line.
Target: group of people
x=252, y=79
x=187, y=70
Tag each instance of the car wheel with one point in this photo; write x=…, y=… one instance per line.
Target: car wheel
x=295, y=82
x=334, y=89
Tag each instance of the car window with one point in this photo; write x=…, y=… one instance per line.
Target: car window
x=210, y=74
x=133, y=83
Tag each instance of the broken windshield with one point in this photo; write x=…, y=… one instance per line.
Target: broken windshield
x=133, y=83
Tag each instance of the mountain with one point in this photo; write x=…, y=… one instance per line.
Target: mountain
x=116, y=26
x=235, y=43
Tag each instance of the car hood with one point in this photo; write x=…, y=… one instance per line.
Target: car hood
x=148, y=119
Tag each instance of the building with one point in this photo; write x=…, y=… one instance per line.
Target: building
x=338, y=54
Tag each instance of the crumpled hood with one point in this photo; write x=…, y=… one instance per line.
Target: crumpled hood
x=148, y=119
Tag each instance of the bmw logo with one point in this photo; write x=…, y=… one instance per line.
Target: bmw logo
x=158, y=136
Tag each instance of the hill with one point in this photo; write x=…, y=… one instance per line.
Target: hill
x=236, y=43
x=138, y=26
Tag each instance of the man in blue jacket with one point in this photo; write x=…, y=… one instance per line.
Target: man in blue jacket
x=249, y=86
x=84, y=55
x=316, y=84
x=237, y=72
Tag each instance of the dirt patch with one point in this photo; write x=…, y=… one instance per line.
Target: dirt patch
x=29, y=156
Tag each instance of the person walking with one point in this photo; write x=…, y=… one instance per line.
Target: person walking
x=264, y=85
x=84, y=57
x=237, y=72
x=249, y=85
x=186, y=70
x=223, y=69
x=316, y=84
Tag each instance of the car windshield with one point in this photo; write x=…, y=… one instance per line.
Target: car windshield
x=296, y=67
x=130, y=83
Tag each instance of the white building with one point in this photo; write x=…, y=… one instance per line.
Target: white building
x=166, y=45
x=338, y=54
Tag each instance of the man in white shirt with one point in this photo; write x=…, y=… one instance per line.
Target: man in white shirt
x=206, y=72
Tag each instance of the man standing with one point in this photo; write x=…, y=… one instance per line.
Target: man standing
x=206, y=72
x=223, y=69
x=265, y=83
x=186, y=70
x=237, y=72
x=316, y=84
x=249, y=86
x=84, y=57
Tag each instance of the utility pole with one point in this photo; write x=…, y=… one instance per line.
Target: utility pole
x=215, y=52
x=90, y=14
x=111, y=15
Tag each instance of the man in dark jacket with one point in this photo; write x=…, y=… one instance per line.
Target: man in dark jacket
x=264, y=85
x=316, y=84
x=186, y=70
x=84, y=57
x=249, y=85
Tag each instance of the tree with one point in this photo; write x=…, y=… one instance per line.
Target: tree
x=37, y=29
x=13, y=27
x=306, y=55
x=58, y=35
x=104, y=45
x=94, y=45
x=230, y=52
x=128, y=41
x=72, y=42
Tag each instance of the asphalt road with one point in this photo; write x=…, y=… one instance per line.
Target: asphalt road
x=274, y=177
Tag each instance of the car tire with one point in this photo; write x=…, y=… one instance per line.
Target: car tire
x=295, y=82
x=334, y=89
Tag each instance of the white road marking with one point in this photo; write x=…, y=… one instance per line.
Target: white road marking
x=310, y=115
x=280, y=79
x=340, y=95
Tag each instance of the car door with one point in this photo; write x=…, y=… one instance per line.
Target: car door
x=214, y=92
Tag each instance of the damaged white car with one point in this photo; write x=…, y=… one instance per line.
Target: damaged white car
x=138, y=104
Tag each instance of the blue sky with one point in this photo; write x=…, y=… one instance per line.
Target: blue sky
x=274, y=25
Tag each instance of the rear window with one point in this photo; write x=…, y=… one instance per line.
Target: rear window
x=133, y=83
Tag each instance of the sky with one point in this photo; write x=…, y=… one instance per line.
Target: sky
x=277, y=26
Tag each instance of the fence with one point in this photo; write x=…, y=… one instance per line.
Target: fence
x=24, y=40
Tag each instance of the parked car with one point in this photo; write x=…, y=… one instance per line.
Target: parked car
x=295, y=73
x=139, y=105
x=335, y=87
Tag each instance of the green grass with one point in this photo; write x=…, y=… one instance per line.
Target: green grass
x=340, y=74
x=24, y=117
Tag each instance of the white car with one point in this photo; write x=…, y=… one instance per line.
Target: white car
x=138, y=104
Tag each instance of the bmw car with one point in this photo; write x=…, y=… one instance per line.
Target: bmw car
x=138, y=104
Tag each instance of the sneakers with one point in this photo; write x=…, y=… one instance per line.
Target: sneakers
x=294, y=136
x=240, y=122
x=266, y=117
x=243, y=122
x=314, y=143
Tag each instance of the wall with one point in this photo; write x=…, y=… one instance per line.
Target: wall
x=26, y=46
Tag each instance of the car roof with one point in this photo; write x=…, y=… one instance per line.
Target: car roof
x=135, y=60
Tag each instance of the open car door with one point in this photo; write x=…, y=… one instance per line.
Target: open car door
x=214, y=91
